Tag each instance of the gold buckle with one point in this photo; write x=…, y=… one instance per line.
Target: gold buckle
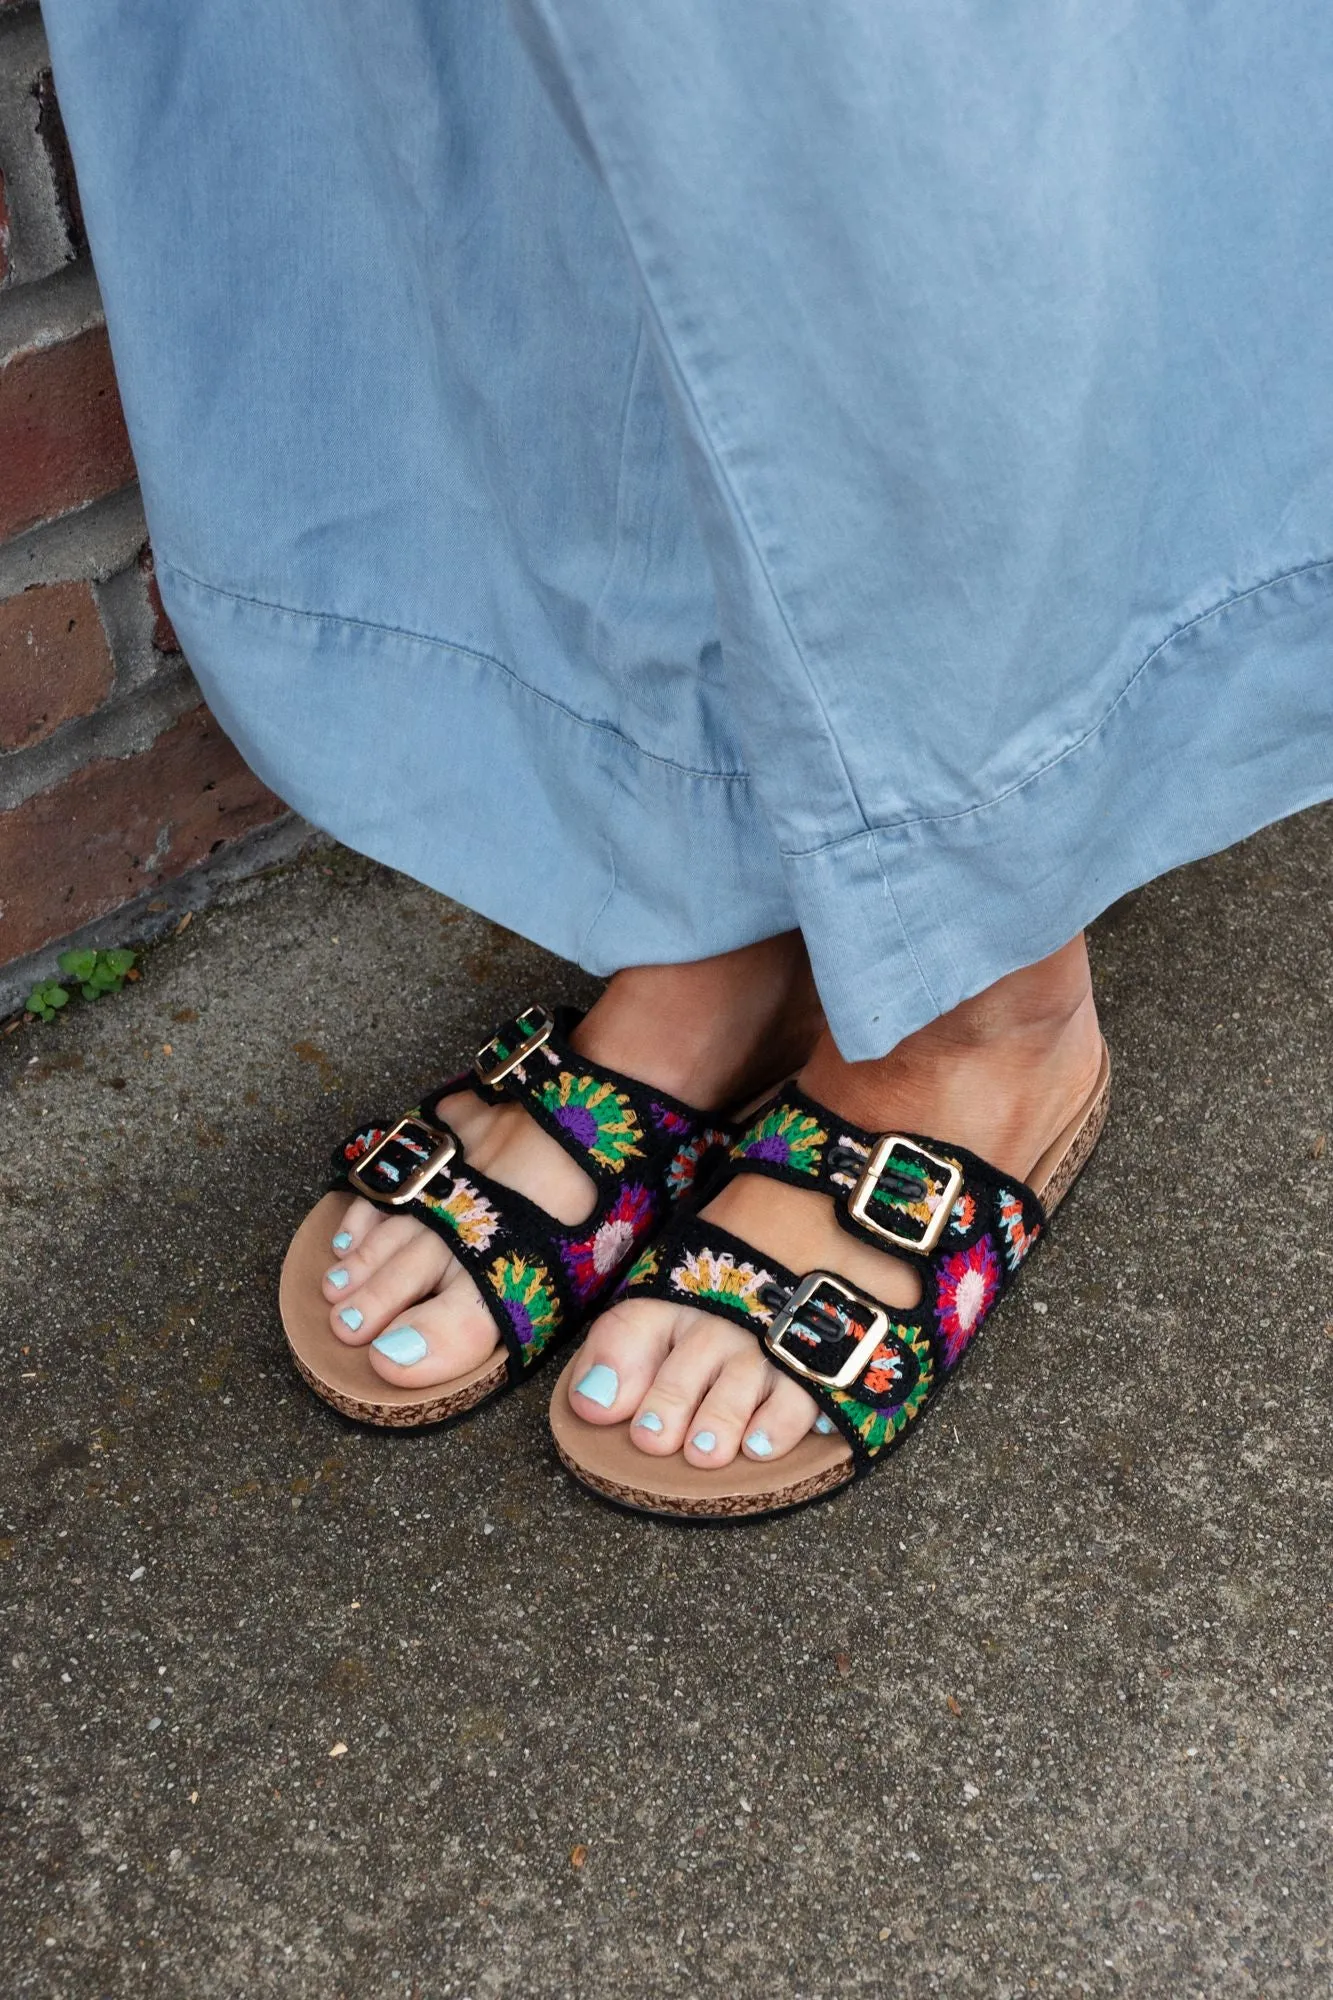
x=428, y=1150
x=938, y=1209
x=786, y=1329
x=534, y=1025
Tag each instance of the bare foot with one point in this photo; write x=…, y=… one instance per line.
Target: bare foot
x=1001, y=1075
x=713, y=1033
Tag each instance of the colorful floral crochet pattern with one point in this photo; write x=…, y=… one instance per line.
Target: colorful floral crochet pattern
x=467, y=1213
x=876, y=1423
x=684, y=1163
x=597, y=1116
x=708, y=1274
x=964, y=1214
x=591, y=1260
x=642, y=1269
x=786, y=1136
x=529, y=1299
x=358, y=1146
x=967, y=1286
x=1018, y=1240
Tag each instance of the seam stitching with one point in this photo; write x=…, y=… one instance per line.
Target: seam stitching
x=985, y=805
x=450, y=646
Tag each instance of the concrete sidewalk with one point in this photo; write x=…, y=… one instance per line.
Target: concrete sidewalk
x=1044, y=1707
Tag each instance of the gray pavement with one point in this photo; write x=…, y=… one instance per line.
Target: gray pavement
x=1044, y=1707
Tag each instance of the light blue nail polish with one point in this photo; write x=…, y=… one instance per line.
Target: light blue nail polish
x=339, y=1278
x=343, y=1240
x=823, y=1424
x=599, y=1385
x=760, y=1443
x=649, y=1421
x=703, y=1441
x=351, y=1317
x=402, y=1344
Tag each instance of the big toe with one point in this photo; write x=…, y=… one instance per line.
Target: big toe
x=438, y=1339
x=624, y=1349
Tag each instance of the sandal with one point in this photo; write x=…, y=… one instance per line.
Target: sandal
x=540, y=1279
x=963, y=1226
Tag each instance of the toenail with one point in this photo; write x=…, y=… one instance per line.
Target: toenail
x=823, y=1424
x=600, y=1385
x=343, y=1240
x=760, y=1443
x=402, y=1344
x=351, y=1317
x=339, y=1278
x=649, y=1421
x=703, y=1441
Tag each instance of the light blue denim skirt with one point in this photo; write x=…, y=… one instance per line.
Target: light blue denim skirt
x=664, y=471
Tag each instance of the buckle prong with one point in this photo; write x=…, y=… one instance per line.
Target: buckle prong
x=880, y=1174
x=788, y=1322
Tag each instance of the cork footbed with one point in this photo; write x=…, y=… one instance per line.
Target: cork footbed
x=343, y=1375
x=602, y=1457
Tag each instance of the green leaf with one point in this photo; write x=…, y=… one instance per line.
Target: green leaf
x=91, y=992
x=119, y=962
x=45, y=998
x=78, y=964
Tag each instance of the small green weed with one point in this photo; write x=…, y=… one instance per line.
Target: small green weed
x=93, y=972
x=45, y=1000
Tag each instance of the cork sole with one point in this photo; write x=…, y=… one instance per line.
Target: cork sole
x=343, y=1375
x=602, y=1457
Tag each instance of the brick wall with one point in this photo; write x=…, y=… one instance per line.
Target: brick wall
x=120, y=799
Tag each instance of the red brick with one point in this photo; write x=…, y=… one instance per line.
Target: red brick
x=164, y=632
x=54, y=660
x=62, y=435
x=120, y=826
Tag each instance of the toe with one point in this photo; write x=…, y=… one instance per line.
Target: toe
x=374, y=1249
x=623, y=1351
x=357, y=1222
x=438, y=1338
x=703, y=1347
x=713, y=1436
x=360, y=1311
x=780, y=1421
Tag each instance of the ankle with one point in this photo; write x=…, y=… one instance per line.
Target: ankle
x=1034, y=1003
x=714, y=1031
x=1000, y=1074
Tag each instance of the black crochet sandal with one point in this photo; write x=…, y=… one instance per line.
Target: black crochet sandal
x=540, y=1279
x=963, y=1226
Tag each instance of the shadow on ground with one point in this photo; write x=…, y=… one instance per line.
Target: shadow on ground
x=1043, y=1708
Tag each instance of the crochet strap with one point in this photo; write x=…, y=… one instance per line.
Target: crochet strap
x=870, y=1368
x=897, y=1192
x=611, y=1125
x=964, y=1227
x=540, y=1278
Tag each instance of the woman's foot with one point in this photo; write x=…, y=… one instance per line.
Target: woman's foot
x=1001, y=1075
x=714, y=1033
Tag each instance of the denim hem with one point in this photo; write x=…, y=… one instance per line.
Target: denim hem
x=481, y=786
x=1225, y=728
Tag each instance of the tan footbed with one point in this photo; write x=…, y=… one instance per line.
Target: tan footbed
x=342, y=1375
x=604, y=1459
